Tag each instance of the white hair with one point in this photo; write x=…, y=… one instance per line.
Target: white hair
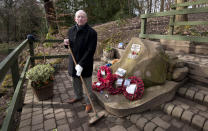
x=80, y=11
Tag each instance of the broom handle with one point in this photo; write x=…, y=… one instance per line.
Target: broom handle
x=83, y=82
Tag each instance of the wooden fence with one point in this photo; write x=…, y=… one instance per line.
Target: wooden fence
x=11, y=62
x=173, y=23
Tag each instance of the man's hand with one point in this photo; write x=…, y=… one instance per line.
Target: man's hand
x=79, y=69
x=66, y=43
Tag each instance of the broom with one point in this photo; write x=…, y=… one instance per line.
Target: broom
x=95, y=116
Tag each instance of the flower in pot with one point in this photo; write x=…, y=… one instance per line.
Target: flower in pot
x=41, y=77
x=108, y=52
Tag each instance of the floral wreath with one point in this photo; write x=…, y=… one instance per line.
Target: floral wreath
x=139, y=91
x=108, y=78
x=104, y=82
x=107, y=83
x=98, y=87
x=117, y=90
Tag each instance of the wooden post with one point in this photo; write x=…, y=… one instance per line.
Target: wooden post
x=171, y=25
x=171, y=22
x=15, y=71
x=31, y=40
x=143, y=25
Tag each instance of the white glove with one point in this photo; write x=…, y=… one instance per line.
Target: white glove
x=78, y=69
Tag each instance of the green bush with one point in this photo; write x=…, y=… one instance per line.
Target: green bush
x=40, y=74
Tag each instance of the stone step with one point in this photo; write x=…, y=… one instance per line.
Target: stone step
x=198, y=67
x=188, y=111
x=195, y=93
x=157, y=120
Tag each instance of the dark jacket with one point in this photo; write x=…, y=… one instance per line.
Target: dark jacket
x=83, y=42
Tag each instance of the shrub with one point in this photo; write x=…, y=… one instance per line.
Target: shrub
x=40, y=75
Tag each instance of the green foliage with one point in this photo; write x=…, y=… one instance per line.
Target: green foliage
x=56, y=61
x=49, y=37
x=64, y=11
x=19, y=18
x=6, y=84
x=7, y=81
x=108, y=47
x=41, y=54
x=40, y=74
x=98, y=11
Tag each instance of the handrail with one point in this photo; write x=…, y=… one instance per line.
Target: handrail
x=51, y=56
x=8, y=61
x=15, y=99
x=52, y=41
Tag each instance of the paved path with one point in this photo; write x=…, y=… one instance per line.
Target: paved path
x=56, y=114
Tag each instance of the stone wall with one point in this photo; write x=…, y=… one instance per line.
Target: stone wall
x=194, y=54
x=185, y=47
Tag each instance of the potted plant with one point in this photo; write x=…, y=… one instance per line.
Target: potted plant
x=41, y=77
x=108, y=52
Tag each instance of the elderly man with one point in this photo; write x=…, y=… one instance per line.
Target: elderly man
x=83, y=41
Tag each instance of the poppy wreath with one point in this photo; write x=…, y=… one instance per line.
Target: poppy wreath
x=105, y=82
x=118, y=90
x=98, y=88
x=139, y=91
x=108, y=73
x=114, y=91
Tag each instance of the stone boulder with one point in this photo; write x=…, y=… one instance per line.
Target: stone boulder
x=177, y=69
x=150, y=61
x=180, y=73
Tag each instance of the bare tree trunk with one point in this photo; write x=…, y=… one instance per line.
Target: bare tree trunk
x=15, y=25
x=150, y=6
x=8, y=27
x=130, y=7
x=161, y=5
x=155, y=6
x=168, y=4
x=51, y=16
x=181, y=17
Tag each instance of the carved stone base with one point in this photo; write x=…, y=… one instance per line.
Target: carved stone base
x=153, y=96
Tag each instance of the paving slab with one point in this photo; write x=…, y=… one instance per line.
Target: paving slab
x=56, y=114
x=195, y=115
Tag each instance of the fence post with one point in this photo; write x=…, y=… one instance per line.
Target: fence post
x=171, y=25
x=15, y=71
x=143, y=25
x=31, y=46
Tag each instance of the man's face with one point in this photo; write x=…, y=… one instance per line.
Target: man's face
x=81, y=19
